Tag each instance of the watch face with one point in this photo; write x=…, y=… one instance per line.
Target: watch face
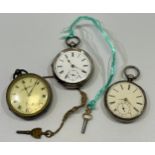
x=72, y=66
x=28, y=95
x=125, y=100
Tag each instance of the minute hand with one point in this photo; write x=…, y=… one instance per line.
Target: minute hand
x=32, y=88
x=80, y=69
x=74, y=66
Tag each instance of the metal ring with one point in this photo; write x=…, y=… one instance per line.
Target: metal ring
x=73, y=41
x=131, y=76
x=19, y=72
x=48, y=133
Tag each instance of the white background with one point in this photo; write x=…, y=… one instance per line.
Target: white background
x=31, y=41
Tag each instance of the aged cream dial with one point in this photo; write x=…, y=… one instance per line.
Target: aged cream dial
x=28, y=95
x=125, y=100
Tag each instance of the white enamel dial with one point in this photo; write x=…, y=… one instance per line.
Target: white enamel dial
x=72, y=66
x=125, y=100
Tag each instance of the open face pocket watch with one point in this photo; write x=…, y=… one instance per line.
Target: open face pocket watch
x=72, y=67
x=28, y=95
x=126, y=100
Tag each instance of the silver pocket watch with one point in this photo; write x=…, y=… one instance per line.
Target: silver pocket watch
x=73, y=66
x=126, y=100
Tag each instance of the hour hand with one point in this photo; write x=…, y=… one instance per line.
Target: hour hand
x=25, y=88
x=68, y=60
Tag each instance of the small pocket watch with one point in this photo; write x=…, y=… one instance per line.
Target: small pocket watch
x=126, y=100
x=28, y=95
x=72, y=67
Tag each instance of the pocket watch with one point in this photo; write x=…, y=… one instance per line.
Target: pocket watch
x=126, y=100
x=28, y=95
x=72, y=67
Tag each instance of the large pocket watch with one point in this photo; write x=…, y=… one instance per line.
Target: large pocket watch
x=28, y=95
x=72, y=67
x=126, y=100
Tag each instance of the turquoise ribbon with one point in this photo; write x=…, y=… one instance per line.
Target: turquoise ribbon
x=71, y=33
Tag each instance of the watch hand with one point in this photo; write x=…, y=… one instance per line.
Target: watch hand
x=32, y=88
x=129, y=103
x=68, y=60
x=121, y=99
x=127, y=100
x=79, y=68
x=74, y=66
x=25, y=88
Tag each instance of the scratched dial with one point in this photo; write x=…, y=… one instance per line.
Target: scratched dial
x=28, y=95
x=125, y=100
x=72, y=66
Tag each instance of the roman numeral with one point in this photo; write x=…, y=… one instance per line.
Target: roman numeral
x=83, y=59
x=112, y=102
x=85, y=65
x=134, y=90
x=61, y=60
x=136, y=109
x=17, y=86
x=111, y=95
x=129, y=87
x=66, y=76
x=23, y=81
x=121, y=87
x=14, y=101
x=72, y=54
x=42, y=88
x=19, y=107
x=44, y=96
x=37, y=82
x=115, y=90
x=61, y=72
x=138, y=96
x=84, y=71
x=139, y=103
